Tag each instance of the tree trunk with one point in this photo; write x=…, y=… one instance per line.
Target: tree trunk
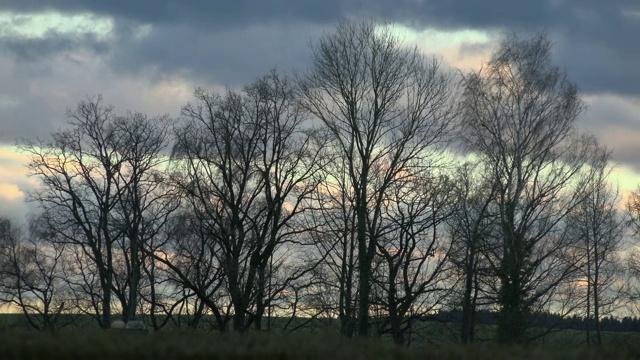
x=468, y=306
x=134, y=280
x=260, y=298
x=512, y=320
x=364, y=261
x=394, y=318
x=106, y=300
x=596, y=295
x=235, y=291
x=346, y=310
x=364, y=287
x=589, y=293
x=106, y=281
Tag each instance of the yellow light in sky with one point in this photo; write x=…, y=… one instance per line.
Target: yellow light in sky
x=10, y=192
x=10, y=153
x=627, y=179
x=13, y=174
x=440, y=39
x=449, y=44
x=38, y=25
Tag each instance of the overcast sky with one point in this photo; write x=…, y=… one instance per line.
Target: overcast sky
x=149, y=55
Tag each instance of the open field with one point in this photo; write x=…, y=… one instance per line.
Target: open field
x=432, y=340
x=200, y=345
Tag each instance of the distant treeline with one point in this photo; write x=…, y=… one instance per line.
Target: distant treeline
x=547, y=320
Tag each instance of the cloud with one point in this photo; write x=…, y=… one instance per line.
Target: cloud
x=624, y=144
x=54, y=52
x=14, y=184
x=10, y=192
x=34, y=95
x=200, y=13
x=148, y=55
x=34, y=49
x=232, y=41
x=595, y=45
x=464, y=49
x=231, y=57
x=615, y=120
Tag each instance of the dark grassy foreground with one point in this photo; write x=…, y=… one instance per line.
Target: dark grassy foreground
x=197, y=345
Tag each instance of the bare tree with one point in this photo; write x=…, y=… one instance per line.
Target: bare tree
x=413, y=267
x=599, y=228
x=161, y=297
x=518, y=116
x=194, y=263
x=472, y=227
x=337, y=243
x=246, y=166
x=78, y=171
x=100, y=195
x=633, y=253
x=291, y=155
x=144, y=200
x=386, y=110
x=31, y=278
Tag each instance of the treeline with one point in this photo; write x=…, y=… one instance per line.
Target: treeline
x=547, y=320
x=376, y=188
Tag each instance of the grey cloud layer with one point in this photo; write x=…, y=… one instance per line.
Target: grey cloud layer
x=231, y=57
x=210, y=14
x=227, y=40
x=232, y=42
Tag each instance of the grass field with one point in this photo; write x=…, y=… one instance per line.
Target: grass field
x=431, y=340
x=199, y=345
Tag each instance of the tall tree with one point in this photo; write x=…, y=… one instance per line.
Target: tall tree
x=599, y=228
x=633, y=254
x=246, y=165
x=519, y=113
x=97, y=176
x=386, y=109
x=472, y=227
x=78, y=171
x=337, y=243
x=144, y=199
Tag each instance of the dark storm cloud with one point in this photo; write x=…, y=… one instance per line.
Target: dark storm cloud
x=598, y=46
x=212, y=14
x=53, y=43
x=157, y=44
x=233, y=42
x=614, y=119
x=595, y=39
x=231, y=56
x=25, y=122
x=238, y=13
